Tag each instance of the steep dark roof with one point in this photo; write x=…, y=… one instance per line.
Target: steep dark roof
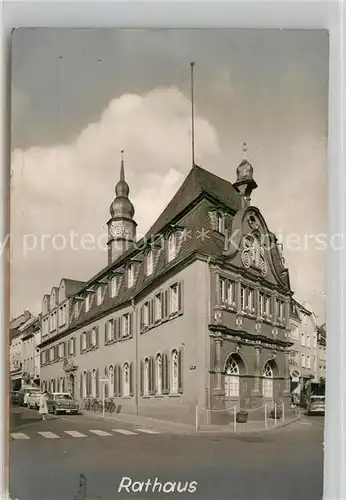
x=198, y=181
x=73, y=286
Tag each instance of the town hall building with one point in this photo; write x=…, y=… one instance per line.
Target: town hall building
x=196, y=313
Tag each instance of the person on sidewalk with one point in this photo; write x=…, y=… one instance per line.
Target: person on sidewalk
x=43, y=405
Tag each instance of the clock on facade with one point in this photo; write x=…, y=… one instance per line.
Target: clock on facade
x=117, y=229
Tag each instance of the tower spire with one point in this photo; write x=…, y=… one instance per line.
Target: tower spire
x=122, y=167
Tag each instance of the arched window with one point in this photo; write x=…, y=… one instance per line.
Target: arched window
x=159, y=374
x=268, y=380
x=85, y=384
x=111, y=382
x=146, y=377
x=175, y=372
x=172, y=247
x=232, y=378
x=61, y=385
x=126, y=380
x=52, y=384
x=93, y=384
x=150, y=263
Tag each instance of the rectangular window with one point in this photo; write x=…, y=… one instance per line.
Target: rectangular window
x=267, y=305
x=220, y=223
x=114, y=286
x=308, y=362
x=60, y=316
x=146, y=314
x=99, y=295
x=243, y=298
x=308, y=341
x=51, y=356
x=303, y=360
x=250, y=299
x=109, y=330
x=130, y=276
x=174, y=298
x=150, y=263
x=262, y=304
x=231, y=292
x=76, y=310
x=158, y=307
x=315, y=341
x=303, y=339
x=222, y=290
x=61, y=351
x=126, y=325
x=172, y=247
x=87, y=303
x=84, y=341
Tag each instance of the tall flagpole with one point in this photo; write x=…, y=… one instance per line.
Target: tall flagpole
x=192, y=118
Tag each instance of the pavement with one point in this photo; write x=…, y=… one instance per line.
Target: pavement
x=290, y=417
x=86, y=458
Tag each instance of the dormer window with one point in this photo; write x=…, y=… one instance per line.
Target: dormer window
x=220, y=223
x=150, y=263
x=87, y=303
x=172, y=247
x=114, y=286
x=76, y=310
x=99, y=295
x=130, y=276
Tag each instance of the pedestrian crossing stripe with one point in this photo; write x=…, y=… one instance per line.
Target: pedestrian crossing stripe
x=19, y=435
x=100, y=433
x=48, y=435
x=147, y=431
x=75, y=434
x=125, y=431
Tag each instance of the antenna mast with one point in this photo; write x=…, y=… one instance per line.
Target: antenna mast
x=192, y=118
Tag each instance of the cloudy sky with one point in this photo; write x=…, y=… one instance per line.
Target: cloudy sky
x=80, y=96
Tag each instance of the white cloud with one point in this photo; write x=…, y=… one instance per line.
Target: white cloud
x=70, y=186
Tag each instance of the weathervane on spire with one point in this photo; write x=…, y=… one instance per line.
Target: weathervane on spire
x=245, y=150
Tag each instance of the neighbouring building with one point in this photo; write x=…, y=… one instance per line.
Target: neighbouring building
x=16, y=350
x=30, y=334
x=322, y=345
x=304, y=354
x=195, y=313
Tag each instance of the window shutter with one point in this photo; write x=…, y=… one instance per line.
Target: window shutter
x=131, y=324
x=81, y=385
x=117, y=329
x=88, y=338
x=56, y=354
x=89, y=384
x=151, y=376
x=151, y=311
x=180, y=296
x=131, y=378
x=165, y=374
x=97, y=383
x=141, y=318
x=180, y=371
x=165, y=304
x=115, y=380
x=107, y=325
x=120, y=379
x=41, y=358
x=97, y=335
x=142, y=378
x=64, y=349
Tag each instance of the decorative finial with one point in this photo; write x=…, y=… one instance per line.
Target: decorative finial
x=245, y=149
x=122, y=169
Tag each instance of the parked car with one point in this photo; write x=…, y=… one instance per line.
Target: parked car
x=62, y=402
x=33, y=399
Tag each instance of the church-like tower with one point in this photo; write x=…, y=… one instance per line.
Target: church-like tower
x=121, y=226
x=245, y=182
